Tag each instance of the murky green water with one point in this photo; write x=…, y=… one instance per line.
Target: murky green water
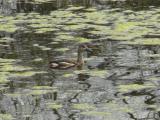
x=119, y=80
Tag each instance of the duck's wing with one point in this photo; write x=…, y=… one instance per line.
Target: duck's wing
x=66, y=65
x=53, y=65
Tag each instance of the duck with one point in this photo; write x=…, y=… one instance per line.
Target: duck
x=69, y=63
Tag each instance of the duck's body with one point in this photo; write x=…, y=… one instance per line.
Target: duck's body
x=68, y=63
x=63, y=64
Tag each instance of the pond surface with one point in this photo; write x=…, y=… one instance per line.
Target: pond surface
x=120, y=78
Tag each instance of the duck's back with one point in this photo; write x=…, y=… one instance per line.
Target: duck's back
x=62, y=63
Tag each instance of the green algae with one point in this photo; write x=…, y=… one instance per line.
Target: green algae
x=42, y=25
x=91, y=9
x=4, y=65
x=76, y=27
x=3, y=77
x=152, y=55
x=9, y=69
x=40, y=1
x=54, y=105
x=65, y=37
x=42, y=87
x=121, y=27
x=145, y=41
x=116, y=31
x=132, y=87
x=72, y=8
x=67, y=20
x=82, y=40
x=8, y=27
x=61, y=49
x=6, y=117
x=12, y=68
x=153, y=78
x=99, y=73
x=26, y=73
x=36, y=45
x=3, y=90
x=155, y=107
x=54, y=43
x=44, y=48
x=41, y=90
x=96, y=17
x=14, y=95
x=6, y=40
x=44, y=30
x=83, y=106
x=67, y=75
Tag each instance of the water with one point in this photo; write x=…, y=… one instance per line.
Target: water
x=119, y=80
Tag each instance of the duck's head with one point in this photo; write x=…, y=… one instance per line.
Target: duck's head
x=84, y=47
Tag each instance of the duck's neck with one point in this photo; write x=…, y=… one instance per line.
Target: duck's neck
x=80, y=57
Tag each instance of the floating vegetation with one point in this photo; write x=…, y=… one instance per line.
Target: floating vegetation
x=65, y=37
x=68, y=75
x=133, y=87
x=82, y=40
x=8, y=27
x=41, y=90
x=36, y=45
x=76, y=27
x=12, y=68
x=41, y=33
x=145, y=41
x=121, y=27
x=6, y=40
x=4, y=64
x=42, y=87
x=3, y=77
x=6, y=117
x=14, y=95
x=44, y=48
x=91, y=9
x=54, y=43
x=83, y=106
x=54, y=105
x=26, y=73
x=61, y=49
x=9, y=69
x=153, y=78
x=95, y=113
x=152, y=55
x=41, y=1
x=72, y=8
x=44, y=30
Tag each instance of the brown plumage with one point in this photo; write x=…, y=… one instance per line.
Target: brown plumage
x=68, y=63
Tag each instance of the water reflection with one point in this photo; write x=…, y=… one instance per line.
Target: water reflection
x=119, y=80
x=44, y=7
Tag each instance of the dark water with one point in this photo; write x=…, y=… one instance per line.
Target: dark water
x=119, y=80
